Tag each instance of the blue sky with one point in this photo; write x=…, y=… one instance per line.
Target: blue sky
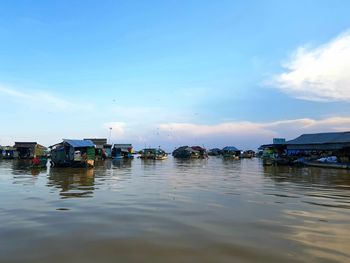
x=169, y=73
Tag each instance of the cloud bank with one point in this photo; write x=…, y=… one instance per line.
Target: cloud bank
x=249, y=134
x=321, y=73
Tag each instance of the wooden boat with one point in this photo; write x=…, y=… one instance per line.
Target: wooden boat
x=231, y=152
x=248, y=154
x=153, y=154
x=162, y=157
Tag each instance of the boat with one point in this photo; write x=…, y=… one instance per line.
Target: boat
x=73, y=153
x=231, y=152
x=153, y=154
x=248, y=154
x=194, y=152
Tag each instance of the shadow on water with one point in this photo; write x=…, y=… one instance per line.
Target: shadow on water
x=309, y=175
x=121, y=164
x=22, y=171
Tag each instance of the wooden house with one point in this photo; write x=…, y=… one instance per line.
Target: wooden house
x=73, y=153
x=29, y=150
x=102, y=149
x=231, y=152
x=122, y=151
x=8, y=152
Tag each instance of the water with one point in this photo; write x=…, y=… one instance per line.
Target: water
x=174, y=211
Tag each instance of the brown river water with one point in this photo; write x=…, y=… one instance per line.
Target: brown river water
x=174, y=211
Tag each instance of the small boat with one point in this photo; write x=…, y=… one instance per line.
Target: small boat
x=153, y=154
x=231, y=152
x=248, y=154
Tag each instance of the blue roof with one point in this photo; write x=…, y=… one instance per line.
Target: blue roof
x=79, y=143
x=230, y=148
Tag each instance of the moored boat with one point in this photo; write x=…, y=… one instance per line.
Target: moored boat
x=153, y=154
x=231, y=152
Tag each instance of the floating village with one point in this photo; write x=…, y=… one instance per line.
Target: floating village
x=329, y=150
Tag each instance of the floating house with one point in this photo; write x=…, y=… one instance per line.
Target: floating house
x=153, y=154
x=320, y=145
x=29, y=150
x=73, y=153
x=331, y=149
x=122, y=151
x=8, y=152
x=214, y=152
x=231, y=152
x=331, y=141
x=186, y=152
x=102, y=149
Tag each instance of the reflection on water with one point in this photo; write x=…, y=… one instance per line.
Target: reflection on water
x=211, y=210
x=72, y=182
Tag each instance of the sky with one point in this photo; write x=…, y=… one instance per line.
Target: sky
x=171, y=73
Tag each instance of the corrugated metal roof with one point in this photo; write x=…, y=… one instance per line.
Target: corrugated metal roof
x=25, y=144
x=97, y=141
x=321, y=138
x=79, y=143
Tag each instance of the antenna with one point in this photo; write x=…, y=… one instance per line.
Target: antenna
x=110, y=134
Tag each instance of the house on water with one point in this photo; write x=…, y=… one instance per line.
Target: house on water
x=73, y=153
x=231, y=152
x=122, y=151
x=321, y=145
x=193, y=152
x=28, y=150
x=8, y=152
x=102, y=148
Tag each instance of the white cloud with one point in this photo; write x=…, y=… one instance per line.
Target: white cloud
x=117, y=128
x=228, y=128
x=321, y=73
x=38, y=99
x=250, y=134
